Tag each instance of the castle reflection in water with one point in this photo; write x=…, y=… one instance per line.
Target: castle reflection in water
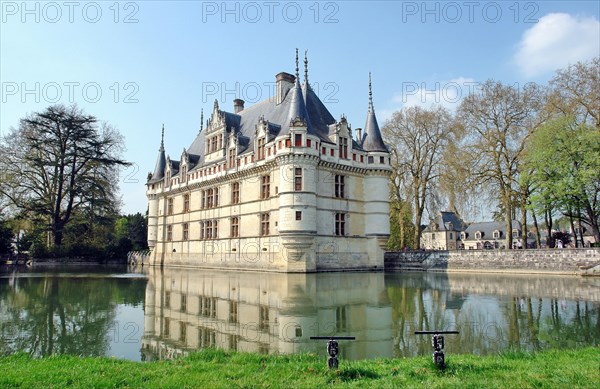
x=189, y=309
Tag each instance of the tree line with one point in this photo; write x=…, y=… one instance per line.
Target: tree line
x=531, y=153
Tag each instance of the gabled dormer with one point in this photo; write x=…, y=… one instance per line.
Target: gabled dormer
x=184, y=166
x=342, y=136
x=215, y=134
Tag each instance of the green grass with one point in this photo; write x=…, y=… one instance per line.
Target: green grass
x=220, y=369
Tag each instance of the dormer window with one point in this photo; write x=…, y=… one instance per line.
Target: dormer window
x=478, y=235
x=231, y=158
x=463, y=236
x=497, y=234
x=515, y=233
x=450, y=226
x=261, y=148
x=343, y=148
x=183, y=174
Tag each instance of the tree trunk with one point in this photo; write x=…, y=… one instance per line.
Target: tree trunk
x=508, y=219
x=524, y=222
x=538, y=239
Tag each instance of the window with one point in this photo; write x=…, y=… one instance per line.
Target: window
x=216, y=197
x=478, y=235
x=264, y=224
x=231, y=158
x=362, y=158
x=298, y=215
x=233, y=311
x=209, y=230
x=235, y=230
x=235, y=193
x=265, y=188
x=288, y=143
x=185, y=231
x=183, y=302
x=381, y=159
x=451, y=236
x=340, y=319
x=221, y=141
x=298, y=140
x=515, y=233
x=370, y=159
x=308, y=143
x=263, y=318
x=323, y=150
x=331, y=152
x=170, y=206
x=298, y=179
x=339, y=186
x=202, y=230
x=340, y=224
x=186, y=202
x=214, y=144
x=463, y=236
x=215, y=233
x=209, y=198
x=183, y=174
x=496, y=234
x=167, y=299
x=261, y=148
x=343, y=148
x=169, y=233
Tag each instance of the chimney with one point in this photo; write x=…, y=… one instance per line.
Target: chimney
x=284, y=82
x=238, y=105
x=359, y=135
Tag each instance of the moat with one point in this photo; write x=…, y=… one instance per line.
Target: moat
x=154, y=313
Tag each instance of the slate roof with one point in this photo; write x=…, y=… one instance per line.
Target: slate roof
x=299, y=102
x=444, y=221
x=487, y=229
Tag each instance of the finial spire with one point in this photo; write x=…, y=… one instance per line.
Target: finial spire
x=201, y=119
x=370, y=95
x=306, y=66
x=162, y=138
x=297, y=70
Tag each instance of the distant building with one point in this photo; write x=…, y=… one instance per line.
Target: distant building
x=279, y=186
x=491, y=235
x=442, y=233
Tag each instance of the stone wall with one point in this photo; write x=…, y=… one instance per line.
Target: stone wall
x=558, y=261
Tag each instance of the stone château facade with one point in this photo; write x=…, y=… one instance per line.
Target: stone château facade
x=278, y=186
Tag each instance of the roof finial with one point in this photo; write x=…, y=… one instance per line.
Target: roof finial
x=297, y=70
x=162, y=137
x=201, y=119
x=306, y=66
x=370, y=94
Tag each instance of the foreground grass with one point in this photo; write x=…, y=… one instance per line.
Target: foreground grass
x=220, y=369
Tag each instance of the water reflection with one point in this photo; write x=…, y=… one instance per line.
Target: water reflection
x=265, y=312
x=277, y=313
x=169, y=312
x=58, y=313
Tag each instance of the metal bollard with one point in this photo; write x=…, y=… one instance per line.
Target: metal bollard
x=437, y=342
x=333, y=348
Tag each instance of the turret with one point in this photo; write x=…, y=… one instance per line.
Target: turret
x=153, y=185
x=376, y=184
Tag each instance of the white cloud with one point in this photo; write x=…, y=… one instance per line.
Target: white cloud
x=447, y=94
x=557, y=40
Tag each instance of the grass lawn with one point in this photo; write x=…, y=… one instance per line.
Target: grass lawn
x=220, y=369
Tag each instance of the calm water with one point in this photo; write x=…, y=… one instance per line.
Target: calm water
x=161, y=314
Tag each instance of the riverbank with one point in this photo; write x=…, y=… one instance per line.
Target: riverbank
x=215, y=368
x=585, y=261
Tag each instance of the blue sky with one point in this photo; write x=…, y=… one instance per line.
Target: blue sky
x=139, y=64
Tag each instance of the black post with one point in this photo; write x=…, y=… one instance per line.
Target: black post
x=437, y=342
x=333, y=348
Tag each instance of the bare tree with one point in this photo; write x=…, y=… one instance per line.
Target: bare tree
x=498, y=120
x=60, y=161
x=418, y=138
